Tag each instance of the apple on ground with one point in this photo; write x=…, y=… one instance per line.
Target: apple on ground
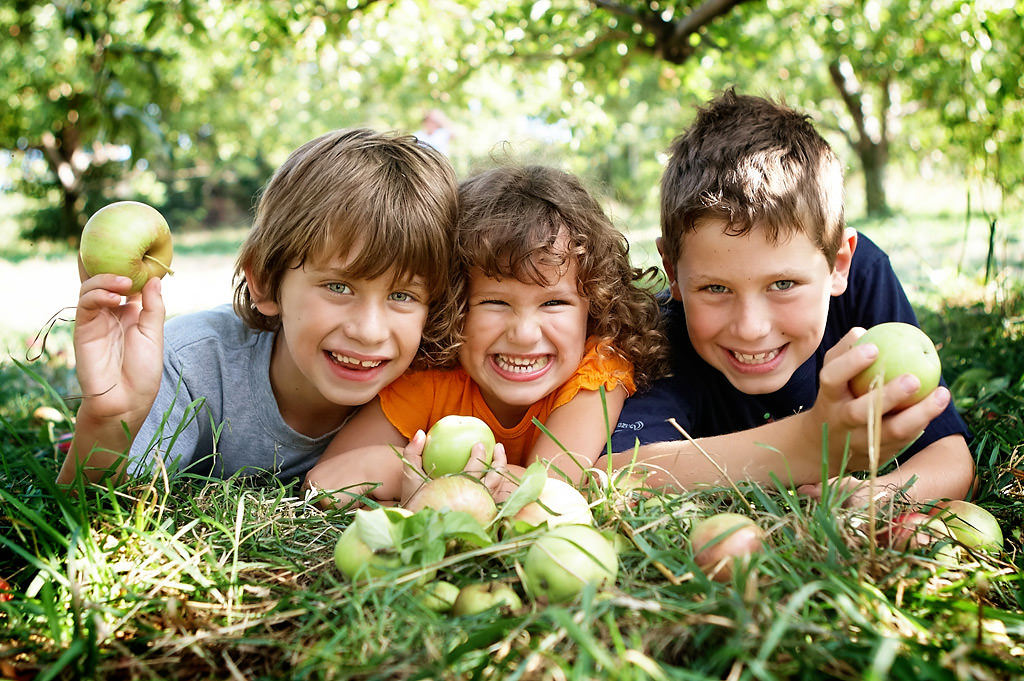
x=971, y=525
x=563, y=560
x=902, y=349
x=723, y=541
x=439, y=595
x=127, y=238
x=913, y=530
x=558, y=503
x=355, y=557
x=456, y=493
x=476, y=598
x=450, y=441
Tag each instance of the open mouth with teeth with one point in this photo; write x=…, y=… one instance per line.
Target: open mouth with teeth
x=756, y=357
x=520, y=365
x=355, y=363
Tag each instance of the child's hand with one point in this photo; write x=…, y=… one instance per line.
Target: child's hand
x=854, y=492
x=847, y=414
x=413, y=476
x=118, y=346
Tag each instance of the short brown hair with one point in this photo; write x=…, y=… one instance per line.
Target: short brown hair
x=511, y=219
x=385, y=193
x=752, y=163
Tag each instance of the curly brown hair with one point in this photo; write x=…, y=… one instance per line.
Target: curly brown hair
x=510, y=219
x=385, y=194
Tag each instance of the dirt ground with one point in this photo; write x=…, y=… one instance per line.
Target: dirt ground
x=34, y=290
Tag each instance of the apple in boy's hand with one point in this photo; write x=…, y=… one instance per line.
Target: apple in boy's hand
x=902, y=349
x=450, y=441
x=127, y=238
x=564, y=560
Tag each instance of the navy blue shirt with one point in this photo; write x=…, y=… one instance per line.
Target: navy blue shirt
x=705, y=403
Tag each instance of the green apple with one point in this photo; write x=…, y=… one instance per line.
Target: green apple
x=128, y=238
x=366, y=548
x=563, y=560
x=450, y=441
x=902, y=349
x=455, y=493
x=476, y=598
x=971, y=525
x=439, y=595
x=722, y=541
x=558, y=503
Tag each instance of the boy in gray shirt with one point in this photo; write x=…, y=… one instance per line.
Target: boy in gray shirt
x=340, y=286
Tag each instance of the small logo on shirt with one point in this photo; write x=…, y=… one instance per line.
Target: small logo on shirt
x=635, y=425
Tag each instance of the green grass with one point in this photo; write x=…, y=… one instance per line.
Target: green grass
x=215, y=579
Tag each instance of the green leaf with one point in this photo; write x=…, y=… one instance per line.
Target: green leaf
x=529, y=490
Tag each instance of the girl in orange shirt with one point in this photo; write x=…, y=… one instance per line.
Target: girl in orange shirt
x=553, y=312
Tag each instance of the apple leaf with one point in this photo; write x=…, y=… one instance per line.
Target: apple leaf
x=376, y=529
x=462, y=525
x=529, y=490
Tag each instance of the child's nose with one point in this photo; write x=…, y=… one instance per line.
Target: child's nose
x=524, y=329
x=752, y=320
x=368, y=325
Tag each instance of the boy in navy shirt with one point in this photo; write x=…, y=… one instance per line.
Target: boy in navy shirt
x=769, y=291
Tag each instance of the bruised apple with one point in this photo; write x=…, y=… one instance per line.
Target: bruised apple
x=722, y=541
x=971, y=525
x=450, y=441
x=902, y=349
x=127, y=238
x=558, y=503
x=455, y=493
x=562, y=561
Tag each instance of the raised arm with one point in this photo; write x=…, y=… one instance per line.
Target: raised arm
x=119, y=362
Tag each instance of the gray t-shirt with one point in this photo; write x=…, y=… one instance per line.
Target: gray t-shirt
x=216, y=413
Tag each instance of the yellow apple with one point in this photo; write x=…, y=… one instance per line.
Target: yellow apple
x=127, y=238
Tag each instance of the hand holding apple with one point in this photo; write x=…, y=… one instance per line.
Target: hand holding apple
x=450, y=443
x=127, y=238
x=902, y=349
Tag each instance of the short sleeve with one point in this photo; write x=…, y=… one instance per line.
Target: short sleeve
x=403, y=401
x=602, y=365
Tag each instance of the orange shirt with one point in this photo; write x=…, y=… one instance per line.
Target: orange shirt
x=418, y=399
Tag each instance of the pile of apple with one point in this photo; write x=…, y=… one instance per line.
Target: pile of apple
x=561, y=550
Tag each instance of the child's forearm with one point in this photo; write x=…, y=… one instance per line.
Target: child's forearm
x=97, y=446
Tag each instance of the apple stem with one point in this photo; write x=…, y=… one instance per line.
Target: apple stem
x=159, y=262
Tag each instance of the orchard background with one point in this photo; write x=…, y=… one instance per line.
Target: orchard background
x=189, y=105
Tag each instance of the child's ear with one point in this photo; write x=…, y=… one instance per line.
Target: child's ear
x=263, y=303
x=844, y=258
x=670, y=271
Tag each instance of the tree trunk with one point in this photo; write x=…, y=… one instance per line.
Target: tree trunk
x=872, y=148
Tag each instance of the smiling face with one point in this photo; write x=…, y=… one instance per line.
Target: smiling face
x=523, y=340
x=341, y=339
x=755, y=310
